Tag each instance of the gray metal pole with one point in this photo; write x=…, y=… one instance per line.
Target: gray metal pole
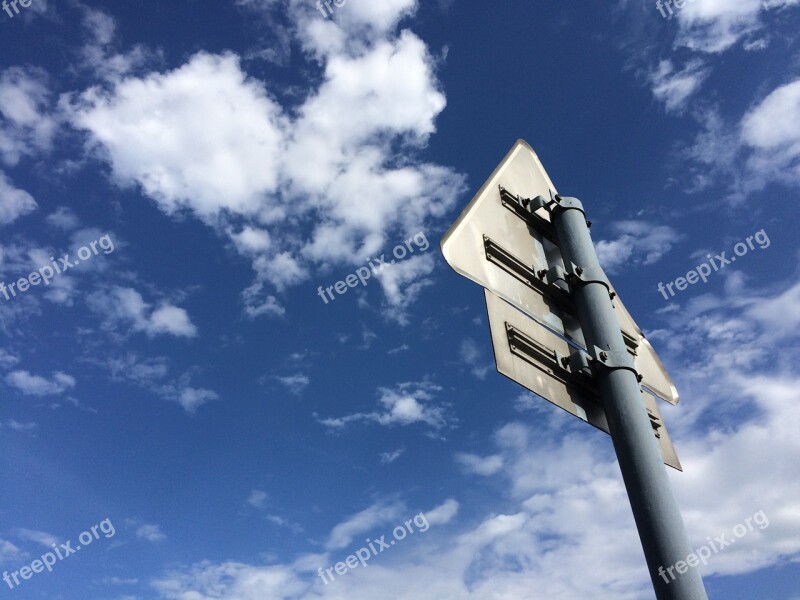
x=655, y=510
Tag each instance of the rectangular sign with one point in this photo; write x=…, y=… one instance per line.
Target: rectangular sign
x=531, y=355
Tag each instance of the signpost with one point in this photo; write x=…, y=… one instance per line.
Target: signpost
x=559, y=329
x=501, y=245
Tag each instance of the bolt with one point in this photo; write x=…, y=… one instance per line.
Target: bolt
x=579, y=271
x=603, y=356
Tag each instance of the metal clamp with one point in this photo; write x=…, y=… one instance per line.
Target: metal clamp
x=584, y=275
x=612, y=360
x=567, y=203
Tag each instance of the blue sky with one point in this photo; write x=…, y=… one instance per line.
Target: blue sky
x=186, y=383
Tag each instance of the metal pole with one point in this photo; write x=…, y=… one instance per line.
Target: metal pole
x=655, y=510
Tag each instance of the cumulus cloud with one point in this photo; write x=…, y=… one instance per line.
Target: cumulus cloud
x=289, y=184
x=147, y=130
x=126, y=306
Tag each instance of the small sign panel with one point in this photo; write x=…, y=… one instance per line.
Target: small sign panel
x=530, y=354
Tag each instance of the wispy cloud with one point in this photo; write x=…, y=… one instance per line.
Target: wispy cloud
x=405, y=404
x=36, y=385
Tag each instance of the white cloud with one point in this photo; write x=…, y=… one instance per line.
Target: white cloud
x=472, y=357
x=26, y=125
x=365, y=521
x=405, y=404
x=147, y=128
x=150, y=533
x=35, y=385
x=402, y=284
x=251, y=240
x=7, y=359
x=17, y=426
x=637, y=242
x=170, y=319
x=257, y=499
x=14, y=203
x=9, y=553
x=150, y=373
x=126, y=305
x=288, y=184
x=193, y=398
x=390, y=457
x=714, y=26
x=40, y=537
x=771, y=130
x=97, y=54
x=63, y=218
x=258, y=303
x=480, y=465
x=762, y=148
x=229, y=581
x=556, y=481
x=443, y=513
x=779, y=315
x=294, y=383
x=674, y=88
